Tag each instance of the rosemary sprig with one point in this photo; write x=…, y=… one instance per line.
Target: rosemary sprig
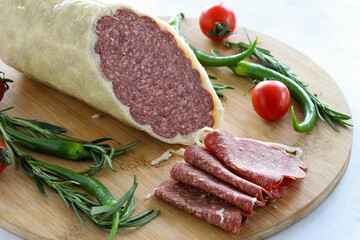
x=79, y=201
x=71, y=197
x=100, y=151
x=267, y=60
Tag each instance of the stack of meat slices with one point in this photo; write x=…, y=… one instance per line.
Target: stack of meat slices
x=223, y=183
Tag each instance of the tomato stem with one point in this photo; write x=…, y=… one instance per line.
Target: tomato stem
x=220, y=30
x=4, y=83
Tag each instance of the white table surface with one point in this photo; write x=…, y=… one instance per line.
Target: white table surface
x=328, y=32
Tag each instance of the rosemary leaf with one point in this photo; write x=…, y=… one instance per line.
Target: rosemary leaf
x=100, y=209
x=101, y=226
x=43, y=175
x=129, y=145
x=218, y=86
x=129, y=207
x=119, y=204
x=77, y=213
x=220, y=94
x=61, y=195
x=99, y=140
x=221, y=86
x=67, y=182
x=31, y=132
x=40, y=186
x=81, y=206
x=212, y=77
x=140, y=215
x=141, y=221
x=86, y=199
x=93, y=147
x=46, y=126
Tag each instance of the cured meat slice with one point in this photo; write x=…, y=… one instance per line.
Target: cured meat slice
x=187, y=174
x=120, y=60
x=277, y=192
x=203, y=159
x=269, y=167
x=204, y=205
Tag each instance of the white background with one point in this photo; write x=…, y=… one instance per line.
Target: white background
x=328, y=32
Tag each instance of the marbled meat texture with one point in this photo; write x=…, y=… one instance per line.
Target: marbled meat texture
x=202, y=158
x=205, y=206
x=269, y=167
x=189, y=175
x=152, y=75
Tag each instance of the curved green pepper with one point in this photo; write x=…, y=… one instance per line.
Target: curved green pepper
x=259, y=72
x=56, y=147
x=89, y=184
x=105, y=198
x=210, y=60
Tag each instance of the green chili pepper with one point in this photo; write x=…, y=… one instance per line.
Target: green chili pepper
x=49, y=138
x=89, y=184
x=210, y=60
x=57, y=147
x=214, y=61
x=259, y=72
x=112, y=207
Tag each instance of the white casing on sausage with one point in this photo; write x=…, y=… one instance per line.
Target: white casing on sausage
x=53, y=41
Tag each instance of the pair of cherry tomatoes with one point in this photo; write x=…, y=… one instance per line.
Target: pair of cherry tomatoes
x=270, y=99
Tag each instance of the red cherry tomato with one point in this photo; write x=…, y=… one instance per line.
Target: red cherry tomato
x=2, y=167
x=270, y=99
x=2, y=154
x=1, y=91
x=217, y=21
x=3, y=84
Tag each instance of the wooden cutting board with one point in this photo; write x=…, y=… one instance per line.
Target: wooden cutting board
x=24, y=212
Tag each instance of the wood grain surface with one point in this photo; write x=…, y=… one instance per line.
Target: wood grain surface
x=26, y=213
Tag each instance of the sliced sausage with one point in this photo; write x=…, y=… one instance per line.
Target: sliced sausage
x=189, y=175
x=269, y=167
x=205, y=206
x=203, y=159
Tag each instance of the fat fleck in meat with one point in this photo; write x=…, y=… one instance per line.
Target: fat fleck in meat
x=269, y=167
x=189, y=175
x=151, y=75
x=203, y=159
x=205, y=206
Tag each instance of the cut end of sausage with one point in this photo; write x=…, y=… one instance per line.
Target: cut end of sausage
x=151, y=75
